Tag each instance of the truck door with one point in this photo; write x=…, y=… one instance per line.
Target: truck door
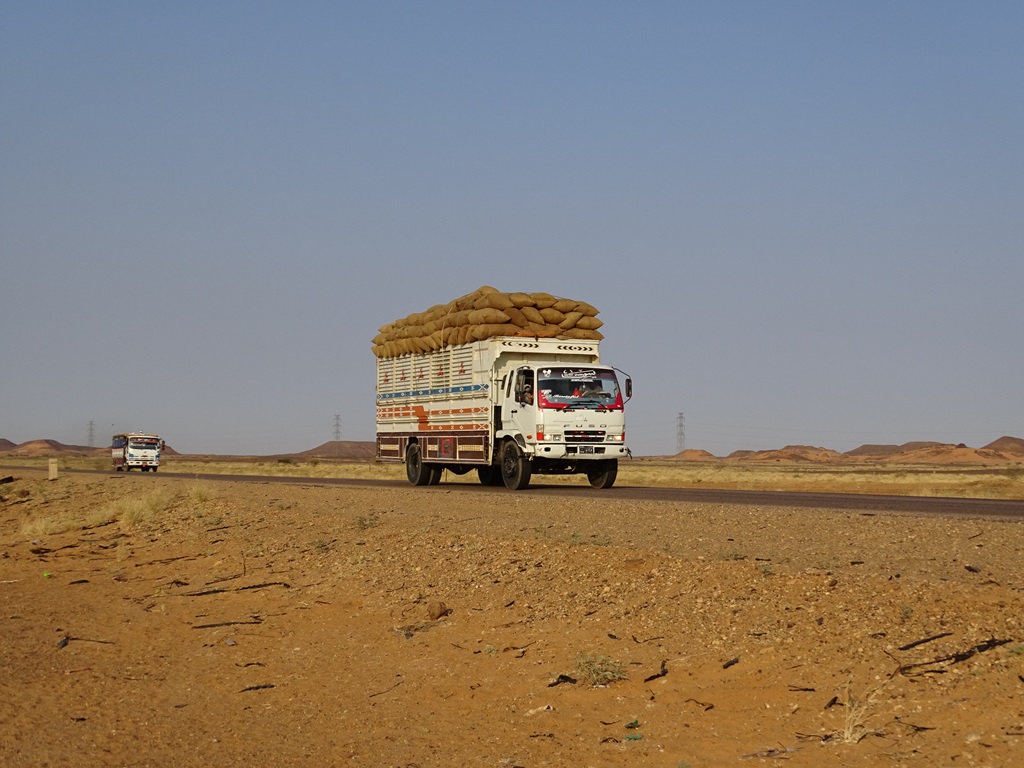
x=520, y=411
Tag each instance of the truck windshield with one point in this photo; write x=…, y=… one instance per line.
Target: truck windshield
x=566, y=387
x=147, y=445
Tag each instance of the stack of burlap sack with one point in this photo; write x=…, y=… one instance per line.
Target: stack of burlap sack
x=484, y=313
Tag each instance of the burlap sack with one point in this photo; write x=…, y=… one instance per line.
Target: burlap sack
x=571, y=318
x=542, y=300
x=481, y=332
x=488, y=316
x=517, y=317
x=544, y=331
x=533, y=315
x=493, y=300
x=482, y=314
x=589, y=323
x=582, y=333
x=565, y=305
x=552, y=315
x=521, y=300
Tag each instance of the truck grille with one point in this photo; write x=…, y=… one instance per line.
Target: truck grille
x=584, y=435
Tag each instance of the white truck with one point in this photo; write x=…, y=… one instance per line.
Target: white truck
x=136, y=449
x=508, y=407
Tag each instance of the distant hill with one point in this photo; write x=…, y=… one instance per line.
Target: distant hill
x=889, y=450
x=691, y=454
x=740, y=454
x=50, y=448
x=953, y=454
x=1009, y=445
x=808, y=453
x=341, y=449
x=1005, y=450
x=57, y=448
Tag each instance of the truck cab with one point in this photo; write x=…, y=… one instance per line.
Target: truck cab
x=564, y=414
x=136, y=450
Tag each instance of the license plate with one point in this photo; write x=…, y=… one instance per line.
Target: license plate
x=586, y=449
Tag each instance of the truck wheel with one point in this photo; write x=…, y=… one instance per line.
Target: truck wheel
x=515, y=469
x=490, y=475
x=417, y=472
x=434, y=473
x=604, y=474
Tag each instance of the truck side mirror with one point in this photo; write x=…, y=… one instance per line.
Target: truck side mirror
x=629, y=387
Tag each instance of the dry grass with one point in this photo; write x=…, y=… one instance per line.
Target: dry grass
x=857, y=715
x=140, y=510
x=200, y=493
x=130, y=511
x=994, y=481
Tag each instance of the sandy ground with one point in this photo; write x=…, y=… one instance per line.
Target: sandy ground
x=181, y=623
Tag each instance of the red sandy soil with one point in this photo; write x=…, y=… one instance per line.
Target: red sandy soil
x=241, y=624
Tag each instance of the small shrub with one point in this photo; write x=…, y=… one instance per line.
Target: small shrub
x=859, y=710
x=599, y=670
x=136, y=510
x=365, y=523
x=48, y=526
x=199, y=493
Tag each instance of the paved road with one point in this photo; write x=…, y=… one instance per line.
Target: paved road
x=999, y=508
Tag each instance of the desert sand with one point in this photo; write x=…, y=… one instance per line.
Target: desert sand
x=151, y=620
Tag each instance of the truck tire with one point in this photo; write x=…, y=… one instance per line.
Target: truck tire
x=418, y=472
x=604, y=474
x=515, y=469
x=490, y=475
x=435, y=471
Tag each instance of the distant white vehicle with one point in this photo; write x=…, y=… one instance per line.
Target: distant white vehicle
x=136, y=449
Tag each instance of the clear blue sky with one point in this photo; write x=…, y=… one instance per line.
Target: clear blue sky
x=801, y=222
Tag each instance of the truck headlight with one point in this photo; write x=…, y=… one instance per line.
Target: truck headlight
x=614, y=438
